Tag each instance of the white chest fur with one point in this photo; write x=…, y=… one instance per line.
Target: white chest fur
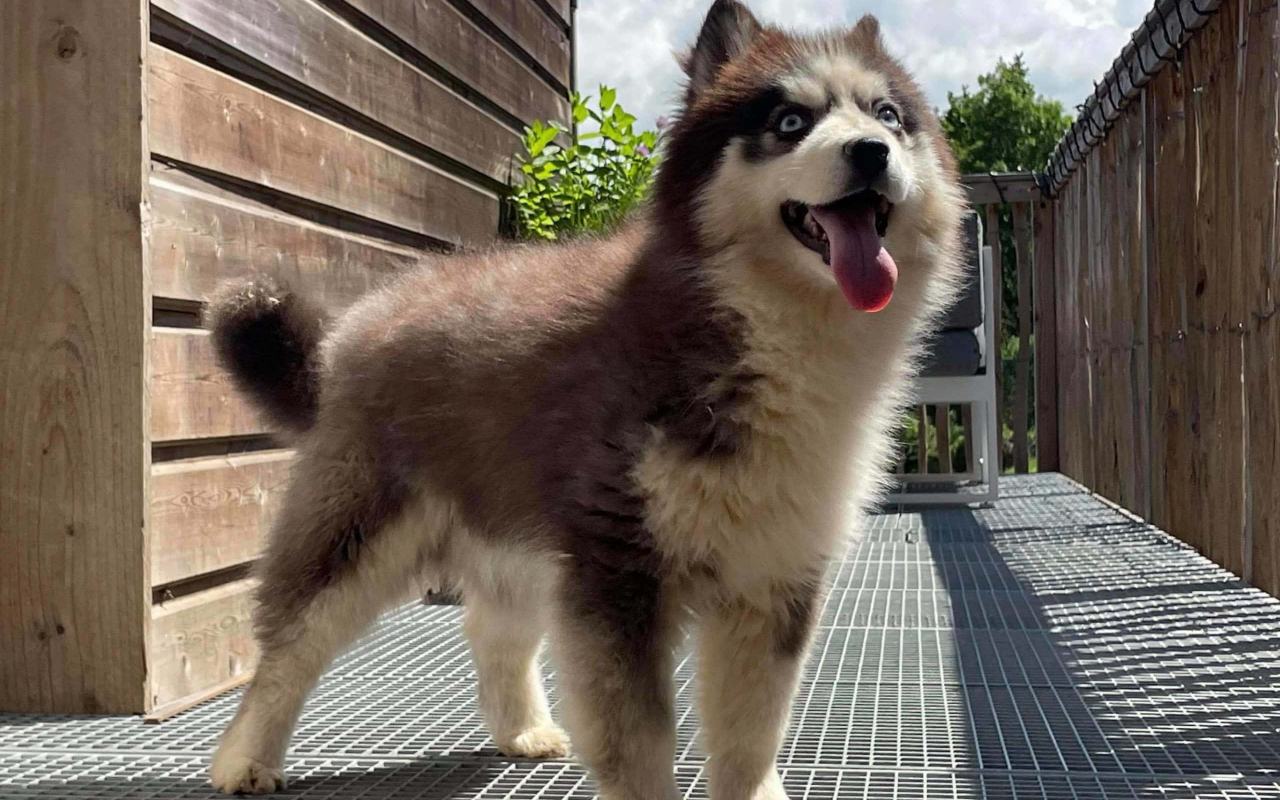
x=818, y=433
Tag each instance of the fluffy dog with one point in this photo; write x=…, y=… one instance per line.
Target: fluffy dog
x=620, y=438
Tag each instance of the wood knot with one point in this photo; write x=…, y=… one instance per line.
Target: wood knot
x=68, y=42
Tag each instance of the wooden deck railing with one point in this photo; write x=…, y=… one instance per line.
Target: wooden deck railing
x=1014, y=218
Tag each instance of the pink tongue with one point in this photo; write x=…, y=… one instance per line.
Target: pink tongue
x=863, y=268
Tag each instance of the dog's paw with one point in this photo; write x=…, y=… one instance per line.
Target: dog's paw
x=236, y=774
x=544, y=741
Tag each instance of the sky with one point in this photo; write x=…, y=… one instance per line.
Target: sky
x=1067, y=44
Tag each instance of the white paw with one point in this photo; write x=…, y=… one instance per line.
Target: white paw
x=543, y=741
x=232, y=773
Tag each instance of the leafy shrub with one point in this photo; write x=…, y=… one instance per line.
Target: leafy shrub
x=589, y=185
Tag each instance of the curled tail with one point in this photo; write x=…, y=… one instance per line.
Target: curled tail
x=268, y=338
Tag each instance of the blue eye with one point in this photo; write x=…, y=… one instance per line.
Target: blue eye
x=792, y=122
x=889, y=116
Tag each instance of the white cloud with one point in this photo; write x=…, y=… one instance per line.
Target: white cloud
x=1067, y=44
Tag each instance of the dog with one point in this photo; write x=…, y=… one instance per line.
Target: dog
x=617, y=439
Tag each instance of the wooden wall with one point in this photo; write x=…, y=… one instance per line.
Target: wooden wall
x=326, y=142
x=1166, y=258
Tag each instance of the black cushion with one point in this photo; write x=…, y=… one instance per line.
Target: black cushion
x=966, y=314
x=953, y=354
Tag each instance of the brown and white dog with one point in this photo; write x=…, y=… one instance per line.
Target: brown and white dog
x=619, y=438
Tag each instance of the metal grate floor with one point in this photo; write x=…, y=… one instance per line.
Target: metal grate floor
x=1049, y=647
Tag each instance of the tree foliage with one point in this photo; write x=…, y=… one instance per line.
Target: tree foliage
x=1005, y=126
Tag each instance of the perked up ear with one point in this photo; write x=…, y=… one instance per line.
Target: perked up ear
x=728, y=31
x=868, y=26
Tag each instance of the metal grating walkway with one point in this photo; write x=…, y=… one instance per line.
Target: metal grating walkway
x=1048, y=647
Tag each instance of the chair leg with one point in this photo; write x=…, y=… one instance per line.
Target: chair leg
x=982, y=460
x=993, y=448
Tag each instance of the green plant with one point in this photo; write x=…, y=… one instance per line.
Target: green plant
x=578, y=181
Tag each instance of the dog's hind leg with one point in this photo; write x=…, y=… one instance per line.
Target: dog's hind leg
x=506, y=617
x=337, y=556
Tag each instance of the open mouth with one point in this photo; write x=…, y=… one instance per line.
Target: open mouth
x=849, y=234
x=802, y=223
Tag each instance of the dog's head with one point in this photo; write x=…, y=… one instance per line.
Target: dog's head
x=816, y=152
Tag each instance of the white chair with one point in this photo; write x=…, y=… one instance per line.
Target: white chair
x=961, y=370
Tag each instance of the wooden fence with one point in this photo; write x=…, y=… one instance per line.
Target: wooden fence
x=1166, y=244
x=149, y=152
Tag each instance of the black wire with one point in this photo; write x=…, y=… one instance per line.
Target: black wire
x=1120, y=105
x=1145, y=69
x=1087, y=132
x=1164, y=26
x=999, y=188
x=1137, y=75
x=1093, y=128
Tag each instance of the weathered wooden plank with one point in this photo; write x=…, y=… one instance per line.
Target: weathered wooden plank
x=201, y=640
x=1044, y=291
x=1116, y=283
x=922, y=440
x=1215, y=352
x=1175, y=419
x=1259, y=91
x=449, y=39
x=1076, y=374
x=1093, y=313
x=308, y=43
x=942, y=424
x=74, y=311
x=208, y=514
x=992, y=229
x=562, y=8
x=201, y=238
x=1022, y=385
x=985, y=189
x=1084, y=384
x=534, y=32
x=1132, y=366
x=191, y=396
x=212, y=121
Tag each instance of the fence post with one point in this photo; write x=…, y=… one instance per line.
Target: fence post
x=997, y=270
x=1022, y=376
x=1046, y=328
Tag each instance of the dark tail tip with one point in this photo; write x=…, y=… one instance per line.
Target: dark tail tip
x=268, y=339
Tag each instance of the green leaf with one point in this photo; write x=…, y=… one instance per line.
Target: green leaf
x=607, y=97
x=543, y=136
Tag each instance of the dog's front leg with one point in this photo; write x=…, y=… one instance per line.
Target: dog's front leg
x=614, y=644
x=749, y=663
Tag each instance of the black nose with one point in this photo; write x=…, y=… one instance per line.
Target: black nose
x=870, y=157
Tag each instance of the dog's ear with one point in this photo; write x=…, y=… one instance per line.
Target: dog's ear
x=728, y=31
x=868, y=28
